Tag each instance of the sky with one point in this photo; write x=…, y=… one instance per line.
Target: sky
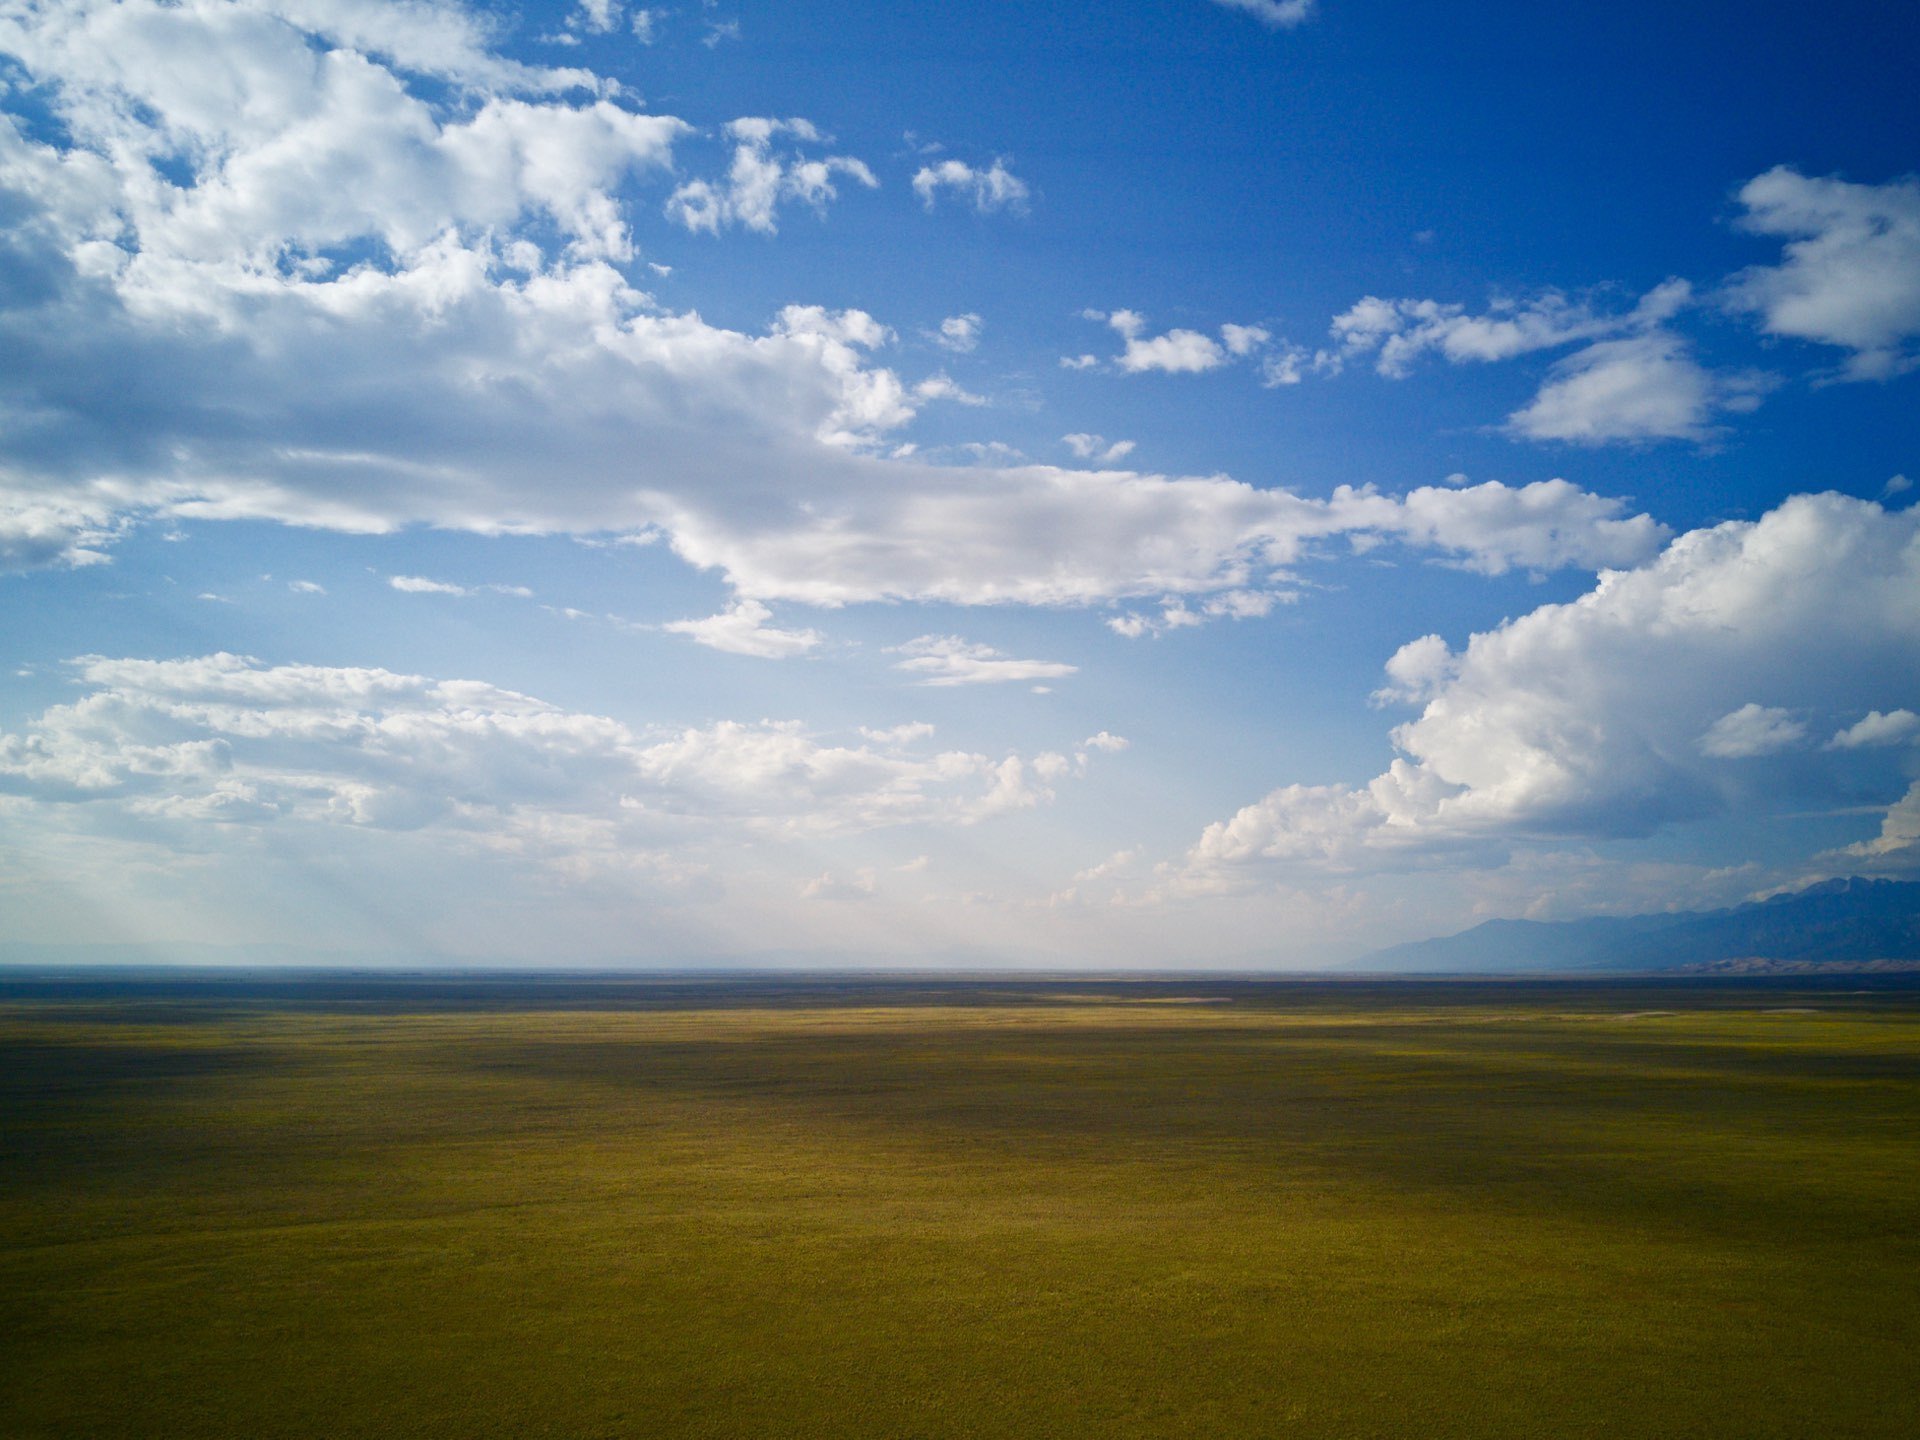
x=1188, y=483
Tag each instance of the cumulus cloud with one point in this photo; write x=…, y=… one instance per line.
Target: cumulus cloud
x=994, y=188
x=949, y=660
x=596, y=17
x=908, y=733
x=1274, y=14
x=417, y=288
x=1643, y=387
x=223, y=738
x=945, y=387
x=1614, y=715
x=1176, y=614
x=742, y=629
x=959, y=333
x=759, y=180
x=1547, y=525
x=1750, y=731
x=1634, y=379
x=1178, y=351
x=1096, y=448
x=1397, y=333
x=1850, y=272
x=1896, y=847
x=1877, y=728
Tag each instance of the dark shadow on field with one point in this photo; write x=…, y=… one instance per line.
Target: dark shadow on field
x=1764, y=1126
x=1707, y=1105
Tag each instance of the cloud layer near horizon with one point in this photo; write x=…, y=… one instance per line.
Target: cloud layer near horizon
x=1698, y=685
x=226, y=740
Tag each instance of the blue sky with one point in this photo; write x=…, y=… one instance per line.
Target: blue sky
x=1182, y=484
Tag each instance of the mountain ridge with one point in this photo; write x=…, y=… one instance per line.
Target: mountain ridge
x=1831, y=924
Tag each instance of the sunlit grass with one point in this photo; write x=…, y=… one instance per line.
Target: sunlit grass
x=1046, y=1210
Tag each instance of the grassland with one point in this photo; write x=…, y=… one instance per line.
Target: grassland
x=487, y=1208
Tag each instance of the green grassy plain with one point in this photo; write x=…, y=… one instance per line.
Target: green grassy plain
x=581, y=1209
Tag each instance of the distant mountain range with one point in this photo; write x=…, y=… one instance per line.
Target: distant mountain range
x=1835, y=925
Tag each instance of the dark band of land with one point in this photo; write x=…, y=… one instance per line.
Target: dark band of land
x=599, y=1206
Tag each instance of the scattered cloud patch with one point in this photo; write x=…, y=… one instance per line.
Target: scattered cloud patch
x=759, y=180
x=1177, y=352
x=1645, y=387
x=1097, y=449
x=1176, y=614
x=1274, y=14
x=1849, y=276
x=945, y=660
x=988, y=190
x=742, y=629
x=1397, y=333
x=909, y=733
x=421, y=585
x=960, y=333
x=1878, y=728
x=945, y=387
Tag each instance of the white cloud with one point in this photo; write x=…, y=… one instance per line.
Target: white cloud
x=306, y=587
x=1850, y=273
x=1751, y=731
x=1587, y=719
x=959, y=333
x=1547, y=525
x=1178, y=351
x=1175, y=614
x=1644, y=387
x=759, y=180
x=1284, y=366
x=222, y=738
x=994, y=188
x=1096, y=448
x=907, y=733
x=742, y=629
x=645, y=24
x=944, y=387
x=38, y=531
x=440, y=339
x=1897, y=846
x=1877, y=728
x=1274, y=14
x=1399, y=332
x=421, y=585
x=1243, y=340
x=949, y=660
x=596, y=17
x=1416, y=672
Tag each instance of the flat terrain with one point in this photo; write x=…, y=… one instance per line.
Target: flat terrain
x=491, y=1207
